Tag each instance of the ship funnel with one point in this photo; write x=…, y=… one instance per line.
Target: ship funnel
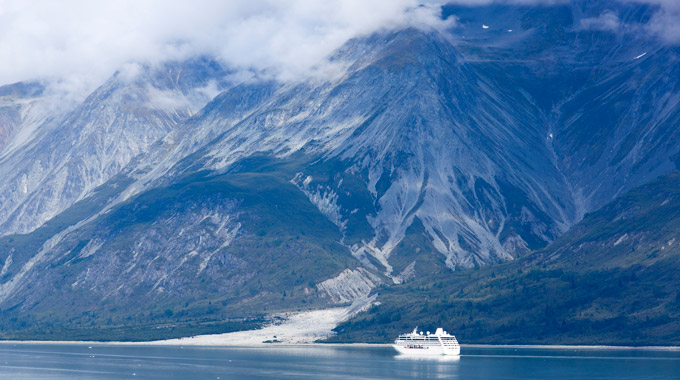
x=440, y=331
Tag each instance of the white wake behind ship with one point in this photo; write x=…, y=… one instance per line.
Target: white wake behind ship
x=417, y=343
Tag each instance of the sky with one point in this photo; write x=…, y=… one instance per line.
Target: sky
x=80, y=43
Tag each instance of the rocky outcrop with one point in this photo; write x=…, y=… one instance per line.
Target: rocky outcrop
x=349, y=285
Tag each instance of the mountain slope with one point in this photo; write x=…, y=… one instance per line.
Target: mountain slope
x=208, y=249
x=608, y=95
x=19, y=103
x=612, y=279
x=416, y=129
x=60, y=159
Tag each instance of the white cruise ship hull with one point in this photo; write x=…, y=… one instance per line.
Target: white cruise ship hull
x=427, y=350
x=439, y=343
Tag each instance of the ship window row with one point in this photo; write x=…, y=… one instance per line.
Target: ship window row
x=420, y=339
x=426, y=340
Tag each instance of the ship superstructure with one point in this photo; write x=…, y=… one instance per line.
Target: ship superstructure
x=417, y=343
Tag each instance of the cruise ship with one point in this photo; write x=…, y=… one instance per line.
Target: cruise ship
x=417, y=343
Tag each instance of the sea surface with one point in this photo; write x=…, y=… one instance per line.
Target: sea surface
x=100, y=361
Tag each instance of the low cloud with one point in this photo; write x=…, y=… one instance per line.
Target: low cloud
x=665, y=22
x=81, y=42
x=607, y=21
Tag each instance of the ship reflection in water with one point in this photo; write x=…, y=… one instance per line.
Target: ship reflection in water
x=432, y=358
x=335, y=362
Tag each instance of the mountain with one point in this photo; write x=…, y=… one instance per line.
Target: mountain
x=205, y=248
x=612, y=279
x=17, y=103
x=57, y=159
x=383, y=155
x=172, y=200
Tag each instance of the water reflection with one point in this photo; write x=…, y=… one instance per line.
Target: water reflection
x=312, y=351
x=433, y=358
x=430, y=367
x=109, y=362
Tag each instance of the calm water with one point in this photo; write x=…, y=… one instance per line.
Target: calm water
x=40, y=361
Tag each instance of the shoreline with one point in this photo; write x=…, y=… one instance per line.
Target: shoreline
x=264, y=345
x=574, y=347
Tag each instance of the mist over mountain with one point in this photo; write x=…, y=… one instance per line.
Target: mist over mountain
x=186, y=195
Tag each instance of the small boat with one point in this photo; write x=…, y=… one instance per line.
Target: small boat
x=417, y=343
